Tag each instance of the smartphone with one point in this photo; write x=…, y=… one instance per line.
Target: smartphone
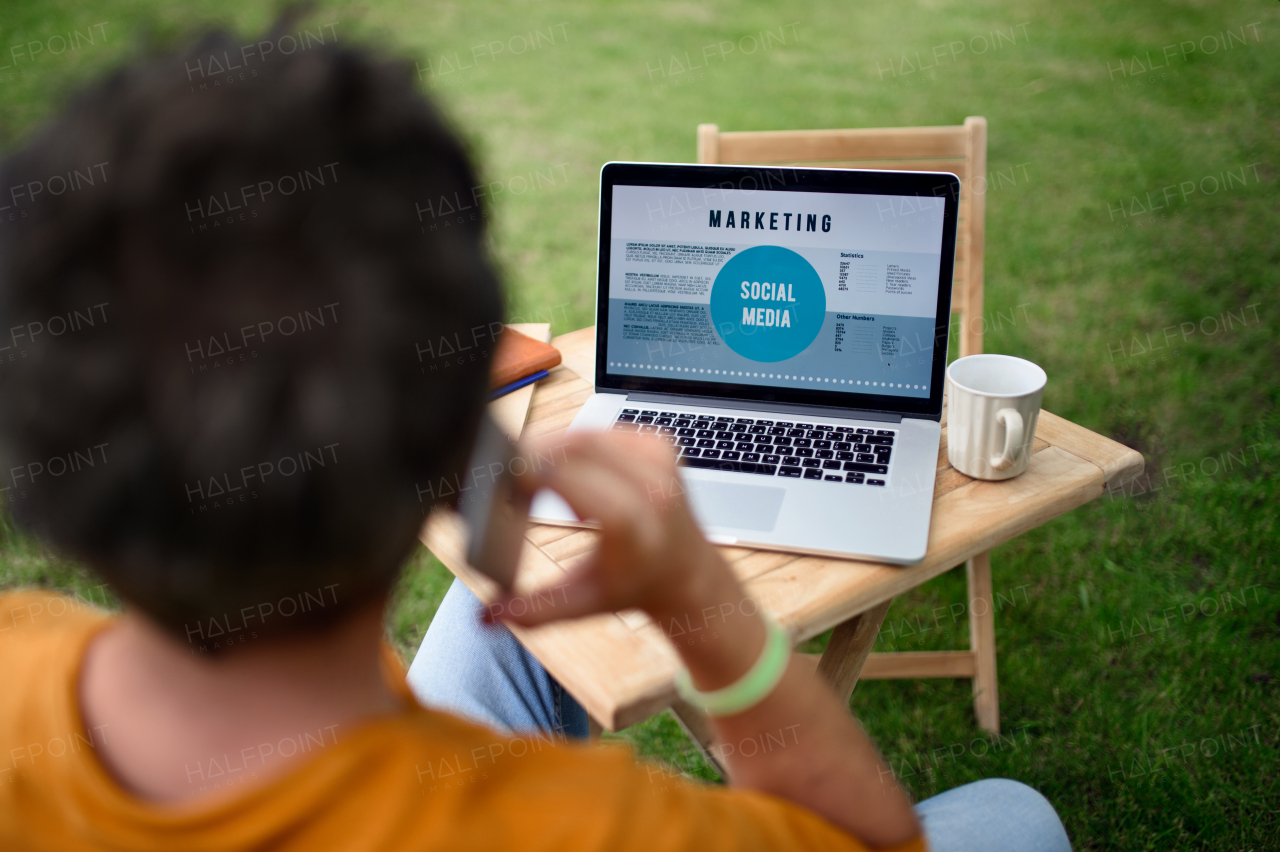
x=496, y=515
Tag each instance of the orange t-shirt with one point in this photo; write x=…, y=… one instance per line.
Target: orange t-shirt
x=415, y=780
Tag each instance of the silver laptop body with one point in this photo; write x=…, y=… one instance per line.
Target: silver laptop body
x=786, y=331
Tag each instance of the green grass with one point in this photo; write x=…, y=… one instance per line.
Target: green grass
x=1138, y=636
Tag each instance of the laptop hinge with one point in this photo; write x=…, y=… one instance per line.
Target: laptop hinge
x=776, y=407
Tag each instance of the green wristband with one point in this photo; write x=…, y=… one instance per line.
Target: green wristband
x=750, y=689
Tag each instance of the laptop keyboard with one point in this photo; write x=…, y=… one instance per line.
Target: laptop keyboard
x=800, y=450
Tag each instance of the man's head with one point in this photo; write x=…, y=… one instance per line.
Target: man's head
x=215, y=299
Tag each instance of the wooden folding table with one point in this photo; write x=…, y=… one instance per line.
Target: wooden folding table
x=620, y=667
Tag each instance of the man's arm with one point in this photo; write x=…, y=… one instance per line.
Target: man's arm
x=653, y=556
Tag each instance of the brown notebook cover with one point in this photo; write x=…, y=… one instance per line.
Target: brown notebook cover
x=519, y=355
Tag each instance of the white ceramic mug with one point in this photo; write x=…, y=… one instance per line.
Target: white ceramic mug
x=993, y=404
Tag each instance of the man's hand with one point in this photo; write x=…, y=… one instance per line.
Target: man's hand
x=652, y=556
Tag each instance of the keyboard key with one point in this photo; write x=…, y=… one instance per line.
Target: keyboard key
x=722, y=435
x=706, y=443
x=724, y=445
x=644, y=418
x=625, y=427
x=630, y=411
x=648, y=429
x=801, y=442
x=830, y=464
x=731, y=455
x=795, y=433
x=788, y=471
x=745, y=446
x=688, y=416
x=882, y=458
x=855, y=478
x=833, y=479
x=866, y=468
x=724, y=419
x=843, y=445
x=875, y=482
x=711, y=454
x=881, y=440
x=683, y=422
x=844, y=428
x=862, y=448
x=824, y=428
x=746, y=420
x=816, y=433
x=686, y=432
x=627, y=418
x=777, y=430
x=758, y=430
x=666, y=430
x=780, y=441
x=706, y=433
x=751, y=457
x=844, y=456
x=866, y=431
x=649, y=413
x=735, y=466
x=803, y=452
x=834, y=436
x=664, y=421
x=783, y=423
x=667, y=439
x=888, y=432
x=824, y=454
x=763, y=439
x=811, y=463
x=866, y=457
x=691, y=451
x=688, y=442
x=821, y=445
x=764, y=423
x=812, y=473
x=739, y=428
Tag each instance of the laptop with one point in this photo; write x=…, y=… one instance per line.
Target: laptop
x=785, y=330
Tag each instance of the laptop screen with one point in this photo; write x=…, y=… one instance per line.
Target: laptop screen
x=817, y=286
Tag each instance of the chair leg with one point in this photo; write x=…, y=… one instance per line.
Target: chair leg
x=847, y=651
x=982, y=640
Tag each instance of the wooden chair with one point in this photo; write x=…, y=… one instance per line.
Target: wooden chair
x=962, y=150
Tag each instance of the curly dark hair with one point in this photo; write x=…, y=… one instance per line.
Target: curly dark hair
x=217, y=292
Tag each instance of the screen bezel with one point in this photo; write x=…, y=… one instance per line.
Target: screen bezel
x=785, y=179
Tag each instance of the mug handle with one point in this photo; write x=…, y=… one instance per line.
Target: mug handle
x=1012, y=421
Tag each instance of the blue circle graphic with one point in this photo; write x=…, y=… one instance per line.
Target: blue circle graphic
x=768, y=304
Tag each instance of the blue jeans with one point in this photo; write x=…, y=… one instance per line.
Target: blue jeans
x=482, y=673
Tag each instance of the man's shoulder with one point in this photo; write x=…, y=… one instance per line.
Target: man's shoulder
x=37, y=622
x=444, y=777
x=443, y=753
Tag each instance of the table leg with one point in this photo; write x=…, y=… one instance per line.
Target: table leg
x=847, y=651
x=697, y=725
x=982, y=639
x=840, y=666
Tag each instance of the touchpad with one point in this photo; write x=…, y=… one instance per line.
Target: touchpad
x=723, y=504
